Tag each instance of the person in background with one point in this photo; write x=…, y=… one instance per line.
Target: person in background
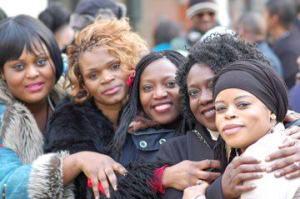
x=2, y=14
x=252, y=29
x=284, y=37
x=57, y=19
x=87, y=11
x=165, y=31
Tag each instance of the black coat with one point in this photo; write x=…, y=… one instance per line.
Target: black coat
x=83, y=127
x=190, y=147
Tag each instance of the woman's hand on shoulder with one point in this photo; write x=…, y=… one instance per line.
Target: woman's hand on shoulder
x=100, y=168
x=240, y=170
x=286, y=160
x=188, y=173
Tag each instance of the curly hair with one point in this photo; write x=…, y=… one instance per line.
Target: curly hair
x=215, y=51
x=114, y=35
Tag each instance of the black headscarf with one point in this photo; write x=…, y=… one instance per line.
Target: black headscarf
x=258, y=79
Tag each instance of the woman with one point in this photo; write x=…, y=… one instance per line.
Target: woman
x=251, y=103
x=102, y=62
x=154, y=95
x=194, y=79
x=30, y=66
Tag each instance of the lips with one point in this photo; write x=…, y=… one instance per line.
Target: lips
x=112, y=90
x=208, y=112
x=231, y=129
x=162, y=107
x=35, y=87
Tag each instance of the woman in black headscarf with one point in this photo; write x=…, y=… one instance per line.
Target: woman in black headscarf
x=251, y=103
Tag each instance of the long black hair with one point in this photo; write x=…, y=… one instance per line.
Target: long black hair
x=24, y=32
x=134, y=106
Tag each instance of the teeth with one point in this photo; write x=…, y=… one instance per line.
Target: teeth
x=210, y=113
x=162, y=107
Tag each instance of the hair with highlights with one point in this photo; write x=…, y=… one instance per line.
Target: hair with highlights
x=114, y=35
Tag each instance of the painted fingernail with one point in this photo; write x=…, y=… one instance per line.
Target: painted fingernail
x=115, y=187
x=268, y=158
x=288, y=176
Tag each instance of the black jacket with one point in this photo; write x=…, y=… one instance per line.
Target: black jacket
x=196, y=145
x=83, y=127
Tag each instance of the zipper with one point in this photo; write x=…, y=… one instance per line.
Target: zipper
x=201, y=138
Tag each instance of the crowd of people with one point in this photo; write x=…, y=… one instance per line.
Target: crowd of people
x=88, y=110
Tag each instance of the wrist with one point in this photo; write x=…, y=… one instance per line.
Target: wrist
x=166, y=177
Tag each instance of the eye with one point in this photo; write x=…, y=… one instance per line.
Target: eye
x=41, y=62
x=243, y=105
x=147, y=88
x=19, y=67
x=171, y=84
x=115, y=66
x=92, y=76
x=220, y=108
x=194, y=93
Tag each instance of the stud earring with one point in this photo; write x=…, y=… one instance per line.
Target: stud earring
x=273, y=117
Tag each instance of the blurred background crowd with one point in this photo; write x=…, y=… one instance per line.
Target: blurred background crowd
x=177, y=24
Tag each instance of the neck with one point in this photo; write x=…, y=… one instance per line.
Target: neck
x=111, y=112
x=40, y=112
x=277, y=32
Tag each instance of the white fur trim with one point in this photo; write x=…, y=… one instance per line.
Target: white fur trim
x=199, y=7
x=21, y=133
x=46, y=178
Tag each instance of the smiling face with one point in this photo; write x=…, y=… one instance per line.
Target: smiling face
x=31, y=77
x=104, y=77
x=159, y=93
x=199, y=82
x=241, y=118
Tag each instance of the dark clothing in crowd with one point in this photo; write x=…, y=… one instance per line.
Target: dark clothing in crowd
x=196, y=145
x=271, y=56
x=287, y=48
x=83, y=127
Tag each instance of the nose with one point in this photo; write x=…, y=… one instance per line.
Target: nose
x=205, y=97
x=160, y=93
x=106, y=77
x=230, y=113
x=32, y=72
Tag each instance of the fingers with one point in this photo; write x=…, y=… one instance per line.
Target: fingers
x=103, y=180
x=111, y=177
x=245, y=168
x=244, y=188
x=291, y=168
x=207, y=175
x=292, y=130
x=95, y=187
x=237, y=161
x=242, y=177
x=206, y=164
x=293, y=175
x=288, y=142
x=119, y=168
x=281, y=153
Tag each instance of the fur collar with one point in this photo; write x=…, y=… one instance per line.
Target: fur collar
x=19, y=130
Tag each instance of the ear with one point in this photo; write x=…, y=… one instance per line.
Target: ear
x=2, y=76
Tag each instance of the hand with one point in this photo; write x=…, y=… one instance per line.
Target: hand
x=286, y=160
x=293, y=132
x=187, y=173
x=291, y=116
x=194, y=192
x=139, y=123
x=100, y=168
x=240, y=169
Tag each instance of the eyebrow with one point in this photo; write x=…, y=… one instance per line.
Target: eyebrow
x=235, y=99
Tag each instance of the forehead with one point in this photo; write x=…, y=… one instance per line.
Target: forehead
x=199, y=73
x=95, y=57
x=159, y=69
